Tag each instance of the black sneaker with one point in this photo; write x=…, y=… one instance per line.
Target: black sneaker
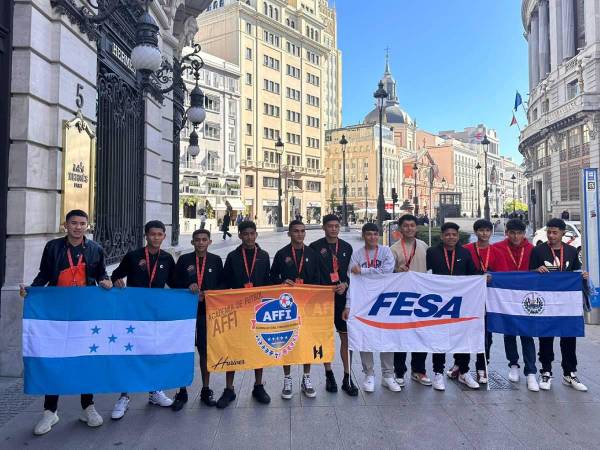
x=260, y=394
x=206, y=397
x=226, y=398
x=350, y=388
x=180, y=399
x=330, y=383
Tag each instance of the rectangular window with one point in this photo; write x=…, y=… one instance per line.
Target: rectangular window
x=248, y=129
x=248, y=53
x=271, y=110
x=271, y=86
x=248, y=28
x=271, y=62
x=270, y=182
x=292, y=138
x=292, y=93
x=270, y=133
x=312, y=79
x=312, y=121
x=271, y=38
x=312, y=100
x=249, y=104
x=249, y=181
x=249, y=153
x=249, y=79
x=212, y=103
x=313, y=186
x=312, y=142
x=212, y=131
x=293, y=71
x=572, y=89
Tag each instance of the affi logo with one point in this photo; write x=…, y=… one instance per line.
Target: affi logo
x=276, y=325
x=391, y=306
x=533, y=303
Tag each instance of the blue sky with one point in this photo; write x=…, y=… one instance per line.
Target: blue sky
x=457, y=63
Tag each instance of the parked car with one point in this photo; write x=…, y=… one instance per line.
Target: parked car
x=572, y=236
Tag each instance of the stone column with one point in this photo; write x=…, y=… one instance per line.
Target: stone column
x=568, y=29
x=531, y=56
x=544, y=39
x=535, y=60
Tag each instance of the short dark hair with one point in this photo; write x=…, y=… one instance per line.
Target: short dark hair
x=369, y=226
x=244, y=225
x=407, y=218
x=557, y=223
x=449, y=226
x=154, y=224
x=482, y=223
x=294, y=222
x=200, y=231
x=514, y=225
x=330, y=218
x=76, y=213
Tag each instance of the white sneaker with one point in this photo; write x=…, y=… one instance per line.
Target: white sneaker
x=482, y=377
x=90, y=416
x=467, y=379
x=307, y=386
x=391, y=384
x=48, y=420
x=532, y=383
x=421, y=378
x=400, y=381
x=369, y=384
x=120, y=407
x=453, y=373
x=287, y=392
x=513, y=374
x=545, y=381
x=438, y=382
x=573, y=381
x=159, y=398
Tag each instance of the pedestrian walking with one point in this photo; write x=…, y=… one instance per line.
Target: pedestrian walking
x=225, y=225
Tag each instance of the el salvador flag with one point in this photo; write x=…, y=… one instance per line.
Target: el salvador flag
x=535, y=305
x=89, y=340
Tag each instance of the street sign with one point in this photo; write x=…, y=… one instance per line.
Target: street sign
x=591, y=229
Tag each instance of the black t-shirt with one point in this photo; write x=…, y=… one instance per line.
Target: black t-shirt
x=542, y=255
x=284, y=267
x=234, y=271
x=463, y=263
x=325, y=253
x=133, y=267
x=186, y=274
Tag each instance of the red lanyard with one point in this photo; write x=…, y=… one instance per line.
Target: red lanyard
x=408, y=260
x=450, y=266
x=517, y=266
x=71, y=266
x=151, y=275
x=298, y=268
x=374, y=262
x=200, y=273
x=560, y=268
x=484, y=266
x=251, y=271
x=335, y=264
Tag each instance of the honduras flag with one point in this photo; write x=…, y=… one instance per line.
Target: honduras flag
x=536, y=305
x=89, y=340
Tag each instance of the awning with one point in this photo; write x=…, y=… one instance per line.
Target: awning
x=235, y=203
x=221, y=207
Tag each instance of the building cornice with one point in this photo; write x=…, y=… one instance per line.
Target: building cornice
x=527, y=8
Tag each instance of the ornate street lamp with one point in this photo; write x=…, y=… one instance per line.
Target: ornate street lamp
x=279, y=151
x=415, y=169
x=478, y=167
x=486, y=206
x=293, y=206
x=343, y=143
x=472, y=200
x=380, y=96
x=366, y=196
x=514, y=179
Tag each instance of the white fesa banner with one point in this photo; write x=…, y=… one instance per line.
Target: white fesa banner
x=417, y=312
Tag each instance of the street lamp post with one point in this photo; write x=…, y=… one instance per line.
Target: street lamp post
x=366, y=196
x=279, y=150
x=415, y=176
x=343, y=143
x=293, y=202
x=431, y=179
x=478, y=167
x=380, y=95
x=486, y=206
x=514, y=179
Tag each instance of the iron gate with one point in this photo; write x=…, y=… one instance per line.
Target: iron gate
x=120, y=144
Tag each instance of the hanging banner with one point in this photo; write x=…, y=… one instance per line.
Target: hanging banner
x=269, y=326
x=591, y=231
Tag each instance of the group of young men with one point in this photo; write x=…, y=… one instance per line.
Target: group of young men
x=75, y=261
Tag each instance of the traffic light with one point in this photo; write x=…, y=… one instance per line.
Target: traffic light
x=394, y=196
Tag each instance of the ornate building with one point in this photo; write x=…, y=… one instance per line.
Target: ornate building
x=560, y=139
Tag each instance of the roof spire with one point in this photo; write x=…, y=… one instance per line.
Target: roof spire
x=387, y=60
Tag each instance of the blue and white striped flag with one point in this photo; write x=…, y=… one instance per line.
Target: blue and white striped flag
x=536, y=305
x=89, y=340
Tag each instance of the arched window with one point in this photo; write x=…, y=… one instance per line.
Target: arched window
x=287, y=22
x=270, y=11
x=265, y=9
x=312, y=33
x=276, y=14
x=293, y=25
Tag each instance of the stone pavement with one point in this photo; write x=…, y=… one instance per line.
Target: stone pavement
x=508, y=416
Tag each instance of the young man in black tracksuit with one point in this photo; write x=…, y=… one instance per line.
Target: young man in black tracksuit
x=334, y=258
x=450, y=258
x=554, y=256
x=71, y=261
x=245, y=267
x=294, y=264
x=199, y=271
x=146, y=267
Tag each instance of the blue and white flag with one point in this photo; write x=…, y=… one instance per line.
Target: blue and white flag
x=89, y=340
x=536, y=305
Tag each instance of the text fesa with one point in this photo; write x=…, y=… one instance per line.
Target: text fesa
x=421, y=305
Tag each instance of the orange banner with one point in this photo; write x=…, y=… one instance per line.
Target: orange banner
x=269, y=326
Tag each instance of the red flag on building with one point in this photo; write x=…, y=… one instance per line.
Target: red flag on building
x=513, y=121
